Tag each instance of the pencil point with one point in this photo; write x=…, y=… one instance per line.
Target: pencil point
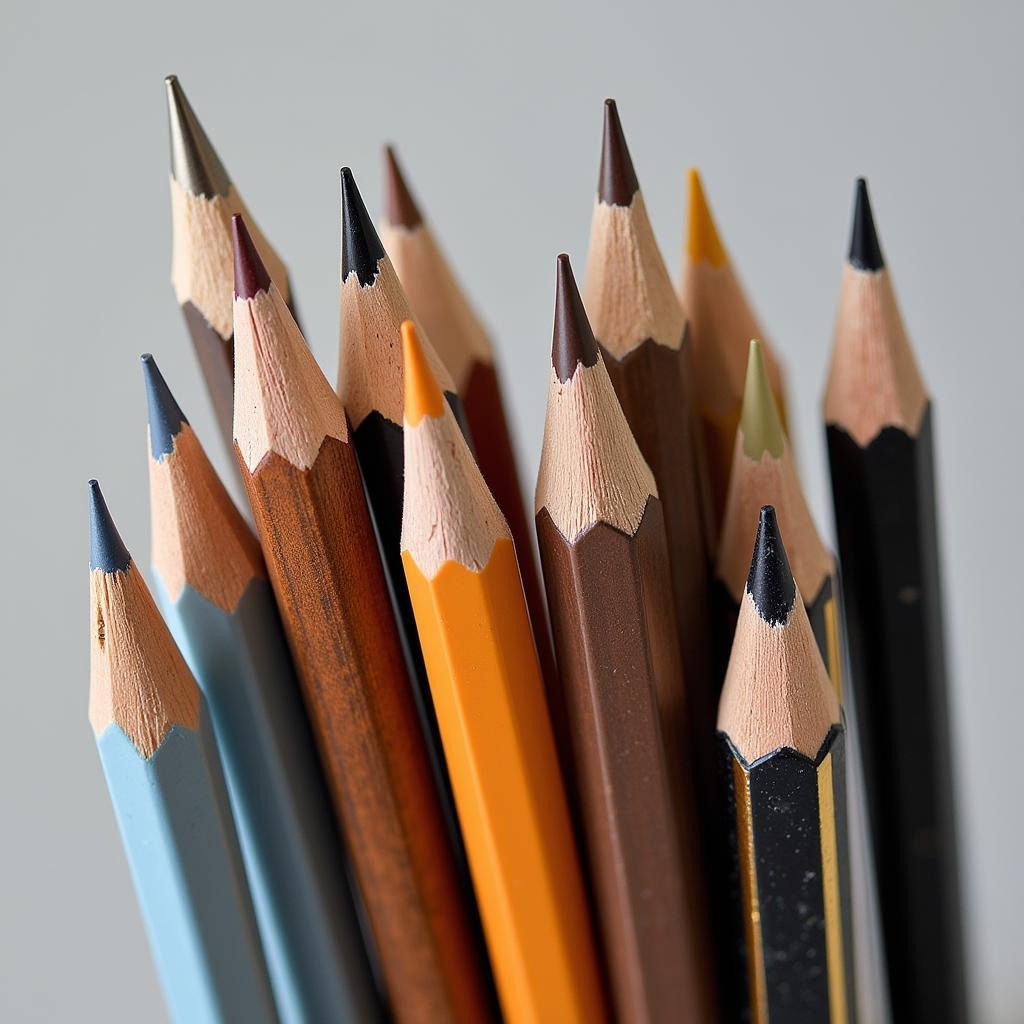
x=194, y=162
x=165, y=416
x=865, y=252
x=573, y=340
x=702, y=241
x=422, y=394
x=617, y=184
x=760, y=420
x=106, y=550
x=770, y=582
x=400, y=208
x=251, y=275
x=361, y=251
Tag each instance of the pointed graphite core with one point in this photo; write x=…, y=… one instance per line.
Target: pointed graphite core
x=194, y=162
x=573, y=340
x=400, y=209
x=770, y=582
x=760, y=421
x=361, y=251
x=865, y=252
x=618, y=183
x=422, y=394
x=702, y=241
x=165, y=416
x=107, y=551
x=251, y=275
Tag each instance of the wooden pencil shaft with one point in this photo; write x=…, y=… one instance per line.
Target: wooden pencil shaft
x=884, y=499
x=610, y=597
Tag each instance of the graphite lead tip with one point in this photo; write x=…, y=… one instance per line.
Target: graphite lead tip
x=251, y=275
x=361, y=249
x=165, y=416
x=759, y=419
x=422, y=392
x=770, y=582
x=106, y=549
x=865, y=252
x=702, y=241
x=572, y=340
x=618, y=183
x=400, y=208
x=194, y=162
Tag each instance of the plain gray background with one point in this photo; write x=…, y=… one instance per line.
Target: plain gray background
x=497, y=113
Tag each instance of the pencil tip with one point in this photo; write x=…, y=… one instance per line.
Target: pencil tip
x=422, y=393
x=165, y=416
x=573, y=340
x=106, y=549
x=865, y=252
x=251, y=275
x=617, y=184
x=400, y=208
x=194, y=162
x=770, y=582
x=702, y=241
x=760, y=420
x=361, y=251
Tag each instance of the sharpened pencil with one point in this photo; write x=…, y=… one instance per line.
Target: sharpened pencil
x=606, y=565
x=485, y=679
x=160, y=759
x=299, y=468
x=212, y=586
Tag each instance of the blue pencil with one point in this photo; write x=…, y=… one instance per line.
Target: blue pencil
x=156, y=745
x=212, y=586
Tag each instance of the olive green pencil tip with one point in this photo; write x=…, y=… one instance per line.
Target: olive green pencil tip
x=194, y=162
x=759, y=421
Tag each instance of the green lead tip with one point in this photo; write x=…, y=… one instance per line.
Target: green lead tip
x=760, y=421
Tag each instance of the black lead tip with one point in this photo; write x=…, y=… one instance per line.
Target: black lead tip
x=165, y=416
x=107, y=551
x=400, y=208
x=770, y=582
x=361, y=251
x=617, y=184
x=865, y=252
x=251, y=275
x=573, y=340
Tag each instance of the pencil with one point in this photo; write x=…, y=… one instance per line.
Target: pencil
x=465, y=349
x=212, y=586
x=485, y=679
x=878, y=419
x=203, y=200
x=722, y=323
x=605, y=557
x=300, y=472
x=158, y=753
x=783, y=754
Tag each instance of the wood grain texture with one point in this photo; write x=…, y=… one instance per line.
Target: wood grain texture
x=610, y=596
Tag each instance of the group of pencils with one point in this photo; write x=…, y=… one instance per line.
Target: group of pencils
x=370, y=761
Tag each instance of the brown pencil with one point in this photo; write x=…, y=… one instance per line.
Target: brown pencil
x=203, y=200
x=722, y=323
x=605, y=557
x=293, y=447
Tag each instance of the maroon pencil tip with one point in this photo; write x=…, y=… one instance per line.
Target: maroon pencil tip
x=617, y=183
x=572, y=341
x=400, y=208
x=251, y=275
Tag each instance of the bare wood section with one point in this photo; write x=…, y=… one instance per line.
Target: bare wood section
x=874, y=381
x=138, y=680
x=452, y=516
x=198, y=536
x=370, y=358
x=591, y=469
x=202, y=270
x=777, y=692
x=628, y=292
x=283, y=403
x=769, y=481
x=438, y=301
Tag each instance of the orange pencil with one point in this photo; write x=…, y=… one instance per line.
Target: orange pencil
x=460, y=564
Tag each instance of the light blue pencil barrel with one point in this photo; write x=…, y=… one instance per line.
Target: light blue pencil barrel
x=158, y=753
x=211, y=584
